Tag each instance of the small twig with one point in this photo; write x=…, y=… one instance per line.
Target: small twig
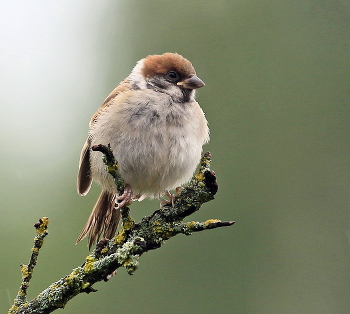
x=27, y=270
x=112, y=165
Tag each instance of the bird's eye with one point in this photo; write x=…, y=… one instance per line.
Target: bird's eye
x=172, y=76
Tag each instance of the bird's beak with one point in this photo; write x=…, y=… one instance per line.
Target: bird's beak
x=192, y=82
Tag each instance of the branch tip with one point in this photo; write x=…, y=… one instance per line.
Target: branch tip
x=27, y=270
x=207, y=155
x=42, y=225
x=106, y=150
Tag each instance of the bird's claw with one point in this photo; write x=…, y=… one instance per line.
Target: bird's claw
x=171, y=197
x=125, y=199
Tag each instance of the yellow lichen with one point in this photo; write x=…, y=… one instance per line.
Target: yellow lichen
x=113, y=167
x=14, y=309
x=191, y=224
x=127, y=262
x=70, y=280
x=128, y=224
x=39, y=242
x=85, y=285
x=199, y=176
x=24, y=270
x=43, y=225
x=88, y=267
x=163, y=232
x=120, y=237
x=211, y=221
x=104, y=250
x=90, y=259
x=89, y=264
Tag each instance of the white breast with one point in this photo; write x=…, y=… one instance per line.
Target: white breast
x=157, y=142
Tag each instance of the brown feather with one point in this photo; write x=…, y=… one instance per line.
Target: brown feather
x=104, y=218
x=122, y=87
x=84, y=179
x=161, y=64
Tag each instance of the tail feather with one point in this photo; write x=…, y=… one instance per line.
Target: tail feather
x=104, y=218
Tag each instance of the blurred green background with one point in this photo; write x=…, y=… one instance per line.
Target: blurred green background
x=277, y=98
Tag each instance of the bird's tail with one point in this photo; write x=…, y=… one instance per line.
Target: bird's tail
x=104, y=218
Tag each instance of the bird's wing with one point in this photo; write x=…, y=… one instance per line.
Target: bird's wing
x=84, y=179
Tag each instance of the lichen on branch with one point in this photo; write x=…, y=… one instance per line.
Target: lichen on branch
x=133, y=239
x=27, y=270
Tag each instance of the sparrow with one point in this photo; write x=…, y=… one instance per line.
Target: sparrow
x=156, y=131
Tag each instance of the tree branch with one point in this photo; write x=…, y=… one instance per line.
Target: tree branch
x=27, y=270
x=125, y=249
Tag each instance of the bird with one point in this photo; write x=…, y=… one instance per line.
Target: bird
x=156, y=131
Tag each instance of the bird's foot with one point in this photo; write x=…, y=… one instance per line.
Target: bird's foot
x=171, y=197
x=125, y=199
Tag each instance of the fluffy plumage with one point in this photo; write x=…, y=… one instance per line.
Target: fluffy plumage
x=156, y=130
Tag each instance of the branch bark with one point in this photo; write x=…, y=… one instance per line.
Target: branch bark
x=126, y=248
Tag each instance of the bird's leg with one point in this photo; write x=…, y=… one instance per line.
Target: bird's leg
x=171, y=197
x=125, y=199
x=178, y=190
